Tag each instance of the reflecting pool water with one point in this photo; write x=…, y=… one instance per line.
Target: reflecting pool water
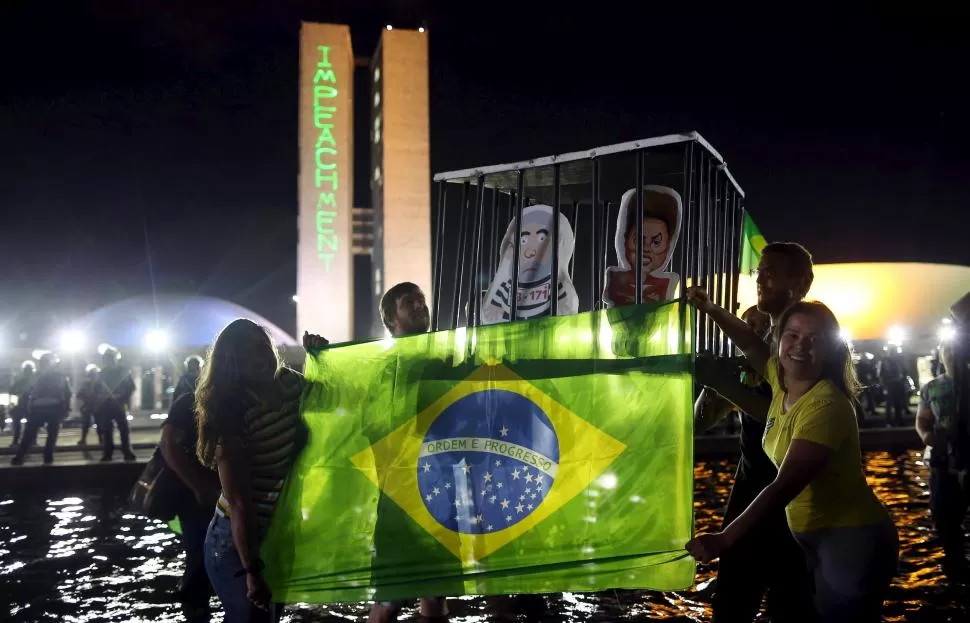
x=82, y=558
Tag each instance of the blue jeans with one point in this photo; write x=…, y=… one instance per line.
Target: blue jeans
x=222, y=564
x=853, y=568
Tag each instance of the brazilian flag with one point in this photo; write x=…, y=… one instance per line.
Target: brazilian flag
x=752, y=244
x=541, y=456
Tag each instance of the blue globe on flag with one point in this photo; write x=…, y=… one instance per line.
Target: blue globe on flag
x=487, y=462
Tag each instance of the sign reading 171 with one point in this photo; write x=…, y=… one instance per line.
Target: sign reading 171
x=325, y=173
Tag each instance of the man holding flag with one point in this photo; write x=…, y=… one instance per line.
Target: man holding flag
x=768, y=563
x=404, y=311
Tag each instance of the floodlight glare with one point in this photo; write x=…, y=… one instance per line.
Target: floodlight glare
x=156, y=340
x=71, y=341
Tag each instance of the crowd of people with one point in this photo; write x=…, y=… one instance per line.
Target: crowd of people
x=42, y=398
x=803, y=534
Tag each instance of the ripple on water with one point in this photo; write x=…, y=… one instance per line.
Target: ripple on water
x=83, y=559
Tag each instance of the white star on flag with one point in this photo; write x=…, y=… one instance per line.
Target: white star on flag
x=465, y=467
x=489, y=528
x=498, y=463
x=426, y=467
x=436, y=491
x=522, y=498
x=519, y=508
x=515, y=475
x=447, y=485
x=492, y=499
x=532, y=497
x=504, y=431
x=457, y=503
x=508, y=518
x=488, y=477
x=505, y=504
x=500, y=485
x=528, y=477
x=528, y=491
x=479, y=518
x=529, y=507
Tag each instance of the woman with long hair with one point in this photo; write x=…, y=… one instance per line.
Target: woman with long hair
x=811, y=434
x=250, y=430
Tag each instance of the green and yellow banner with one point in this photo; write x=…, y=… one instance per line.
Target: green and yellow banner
x=541, y=456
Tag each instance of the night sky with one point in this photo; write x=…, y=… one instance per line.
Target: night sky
x=157, y=146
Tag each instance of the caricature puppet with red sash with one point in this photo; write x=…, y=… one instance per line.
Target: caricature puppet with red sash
x=662, y=210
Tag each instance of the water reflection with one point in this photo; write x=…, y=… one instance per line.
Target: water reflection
x=83, y=558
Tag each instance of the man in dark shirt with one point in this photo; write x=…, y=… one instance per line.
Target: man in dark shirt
x=404, y=311
x=195, y=506
x=768, y=563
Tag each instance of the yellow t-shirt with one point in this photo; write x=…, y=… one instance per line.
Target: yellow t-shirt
x=840, y=495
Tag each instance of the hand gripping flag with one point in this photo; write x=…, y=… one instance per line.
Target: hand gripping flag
x=547, y=455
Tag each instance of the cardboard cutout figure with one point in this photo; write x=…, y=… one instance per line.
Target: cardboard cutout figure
x=662, y=211
x=535, y=269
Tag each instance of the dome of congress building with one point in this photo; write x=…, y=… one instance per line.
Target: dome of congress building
x=187, y=321
x=874, y=300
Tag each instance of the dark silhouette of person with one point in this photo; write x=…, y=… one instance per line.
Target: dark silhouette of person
x=48, y=405
x=114, y=394
x=21, y=391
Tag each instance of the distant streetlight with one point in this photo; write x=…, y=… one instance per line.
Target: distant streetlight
x=421, y=29
x=296, y=298
x=389, y=27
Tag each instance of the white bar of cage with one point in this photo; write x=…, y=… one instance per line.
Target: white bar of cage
x=463, y=175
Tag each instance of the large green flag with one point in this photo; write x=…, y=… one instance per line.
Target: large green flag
x=752, y=243
x=540, y=456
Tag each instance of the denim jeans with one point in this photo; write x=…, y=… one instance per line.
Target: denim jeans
x=853, y=568
x=194, y=588
x=222, y=564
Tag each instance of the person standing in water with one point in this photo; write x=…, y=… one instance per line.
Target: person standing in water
x=767, y=564
x=404, y=311
x=811, y=435
x=250, y=431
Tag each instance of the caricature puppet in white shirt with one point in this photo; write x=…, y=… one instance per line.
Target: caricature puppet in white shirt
x=535, y=269
x=662, y=215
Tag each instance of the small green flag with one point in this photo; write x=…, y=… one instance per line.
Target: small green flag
x=752, y=244
x=175, y=526
x=540, y=456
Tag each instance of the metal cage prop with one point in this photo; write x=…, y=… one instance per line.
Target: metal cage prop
x=594, y=192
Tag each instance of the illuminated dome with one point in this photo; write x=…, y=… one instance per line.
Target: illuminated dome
x=873, y=300
x=186, y=322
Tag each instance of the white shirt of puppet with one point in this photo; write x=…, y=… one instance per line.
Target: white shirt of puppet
x=627, y=203
x=534, y=289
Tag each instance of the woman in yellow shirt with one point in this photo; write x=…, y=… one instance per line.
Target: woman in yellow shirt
x=811, y=434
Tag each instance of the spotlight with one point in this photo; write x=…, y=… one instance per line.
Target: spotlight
x=156, y=340
x=421, y=29
x=296, y=298
x=896, y=335
x=72, y=341
x=947, y=332
x=389, y=27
